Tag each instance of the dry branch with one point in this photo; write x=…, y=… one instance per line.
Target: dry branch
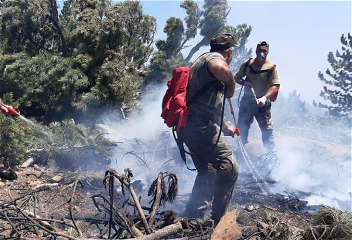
x=132, y=229
x=162, y=233
x=157, y=200
x=135, y=198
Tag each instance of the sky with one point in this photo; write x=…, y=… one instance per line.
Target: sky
x=300, y=34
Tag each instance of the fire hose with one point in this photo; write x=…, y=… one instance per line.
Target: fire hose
x=10, y=110
x=236, y=130
x=263, y=185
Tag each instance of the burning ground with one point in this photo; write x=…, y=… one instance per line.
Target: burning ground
x=141, y=190
x=73, y=203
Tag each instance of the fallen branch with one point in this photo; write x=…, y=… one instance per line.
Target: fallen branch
x=135, y=198
x=78, y=230
x=130, y=227
x=28, y=162
x=36, y=224
x=156, y=201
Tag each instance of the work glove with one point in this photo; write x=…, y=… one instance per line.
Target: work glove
x=262, y=101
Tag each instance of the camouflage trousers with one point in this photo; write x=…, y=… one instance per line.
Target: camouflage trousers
x=217, y=169
x=249, y=110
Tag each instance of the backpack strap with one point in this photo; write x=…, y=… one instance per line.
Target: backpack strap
x=201, y=91
x=268, y=71
x=246, y=65
x=179, y=140
x=179, y=136
x=271, y=70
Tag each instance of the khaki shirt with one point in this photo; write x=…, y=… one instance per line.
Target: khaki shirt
x=261, y=82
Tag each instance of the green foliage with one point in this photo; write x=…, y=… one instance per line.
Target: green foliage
x=52, y=84
x=339, y=80
x=16, y=137
x=65, y=63
x=31, y=26
x=76, y=146
x=209, y=21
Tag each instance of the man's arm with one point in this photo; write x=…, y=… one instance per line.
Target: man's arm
x=239, y=79
x=222, y=72
x=272, y=91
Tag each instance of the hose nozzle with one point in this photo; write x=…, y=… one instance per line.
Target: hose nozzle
x=10, y=110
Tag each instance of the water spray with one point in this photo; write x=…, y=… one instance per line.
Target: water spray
x=12, y=112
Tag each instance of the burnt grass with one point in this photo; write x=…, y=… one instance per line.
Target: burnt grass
x=260, y=214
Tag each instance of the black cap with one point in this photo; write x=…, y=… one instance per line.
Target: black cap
x=263, y=43
x=222, y=41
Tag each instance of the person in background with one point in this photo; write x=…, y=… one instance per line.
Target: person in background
x=216, y=165
x=260, y=76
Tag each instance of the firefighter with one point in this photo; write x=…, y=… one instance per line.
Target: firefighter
x=217, y=168
x=260, y=77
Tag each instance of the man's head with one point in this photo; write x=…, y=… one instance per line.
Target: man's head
x=223, y=43
x=262, y=50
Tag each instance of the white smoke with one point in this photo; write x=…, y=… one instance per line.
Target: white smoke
x=311, y=164
x=146, y=144
x=315, y=158
x=312, y=170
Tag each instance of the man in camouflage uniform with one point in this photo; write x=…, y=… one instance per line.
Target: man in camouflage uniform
x=262, y=76
x=217, y=168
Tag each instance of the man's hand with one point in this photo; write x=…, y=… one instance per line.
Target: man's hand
x=229, y=92
x=4, y=109
x=228, y=131
x=262, y=101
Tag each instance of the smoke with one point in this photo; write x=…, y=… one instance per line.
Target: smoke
x=315, y=157
x=145, y=144
x=312, y=170
x=314, y=152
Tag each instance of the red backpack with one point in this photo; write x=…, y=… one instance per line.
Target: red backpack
x=175, y=108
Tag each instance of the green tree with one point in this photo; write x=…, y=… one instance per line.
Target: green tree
x=90, y=56
x=31, y=26
x=339, y=80
x=16, y=137
x=208, y=21
x=214, y=19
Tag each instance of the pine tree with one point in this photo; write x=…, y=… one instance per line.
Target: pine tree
x=204, y=23
x=338, y=80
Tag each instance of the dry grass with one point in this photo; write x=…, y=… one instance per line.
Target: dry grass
x=328, y=224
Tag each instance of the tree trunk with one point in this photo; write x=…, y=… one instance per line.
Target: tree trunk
x=195, y=49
